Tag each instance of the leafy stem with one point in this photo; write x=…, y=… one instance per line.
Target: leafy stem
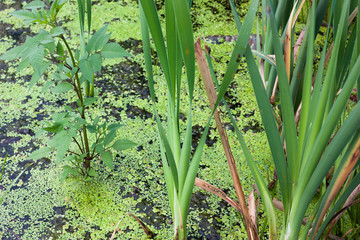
x=82, y=113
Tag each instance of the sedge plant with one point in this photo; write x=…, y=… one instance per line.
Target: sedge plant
x=313, y=127
x=76, y=69
x=179, y=173
x=180, y=168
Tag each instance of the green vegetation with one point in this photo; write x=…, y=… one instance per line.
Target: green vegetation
x=75, y=71
x=291, y=122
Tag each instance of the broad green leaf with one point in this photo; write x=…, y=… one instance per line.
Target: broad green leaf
x=123, y=144
x=114, y=50
x=109, y=137
x=37, y=59
x=106, y=156
x=90, y=65
x=49, y=48
x=63, y=87
x=13, y=53
x=40, y=153
x=35, y=77
x=57, y=31
x=35, y=5
x=90, y=100
x=96, y=62
x=98, y=40
x=86, y=69
x=61, y=142
x=25, y=15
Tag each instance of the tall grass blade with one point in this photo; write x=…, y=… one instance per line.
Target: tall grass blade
x=342, y=173
x=287, y=109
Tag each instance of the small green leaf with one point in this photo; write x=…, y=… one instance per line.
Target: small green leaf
x=114, y=126
x=90, y=65
x=109, y=137
x=68, y=171
x=107, y=159
x=123, y=144
x=99, y=147
x=25, y=15
x=57, y=127
x=13, y=53
x=37, y=59
x=60, y=49
x=114, y=50
x=96, y=62
x=34, y=5
x=61, y=142
x=90, y=100
x=57, y=31
x=41, y=153
x=86, y=69
x=23, y=64
x=91, y=128
x=47, y=85
x=98, y=40
x=63, y=87
x=35, y=77
x=92, y=173
x=58, y=116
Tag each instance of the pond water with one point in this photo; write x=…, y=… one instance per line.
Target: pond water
x=39, y=207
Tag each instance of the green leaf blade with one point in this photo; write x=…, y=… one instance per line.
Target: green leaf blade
x=123, y=144
x=114, y=50
x=107, y=159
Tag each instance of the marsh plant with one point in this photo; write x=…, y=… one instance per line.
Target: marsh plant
x=174, y=53
x=312, y=125
x=75, y=71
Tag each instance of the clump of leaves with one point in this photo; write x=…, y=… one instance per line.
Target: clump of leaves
x=75, y=71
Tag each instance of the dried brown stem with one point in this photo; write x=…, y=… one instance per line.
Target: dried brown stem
x=211, y=93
